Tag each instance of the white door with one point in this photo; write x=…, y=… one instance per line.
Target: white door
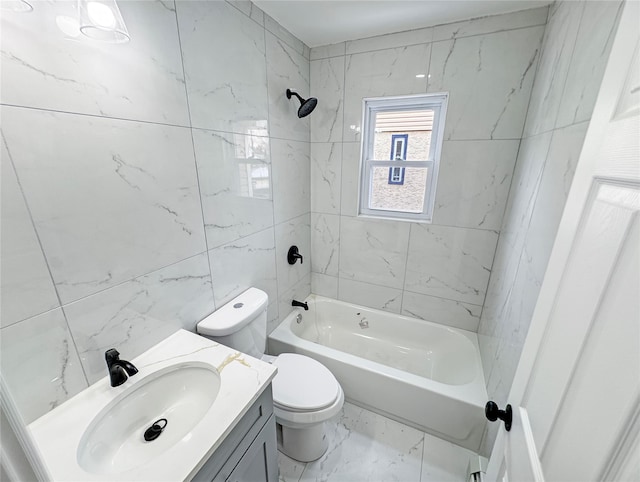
x=576, y=392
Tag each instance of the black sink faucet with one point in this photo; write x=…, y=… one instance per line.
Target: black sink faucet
x=119, y=370
x=300, y=304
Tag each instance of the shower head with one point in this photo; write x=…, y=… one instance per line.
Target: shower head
x=306, y=106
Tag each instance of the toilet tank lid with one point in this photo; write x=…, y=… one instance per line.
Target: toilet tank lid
x=235, y=315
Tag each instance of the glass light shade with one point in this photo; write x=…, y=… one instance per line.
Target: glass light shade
x=16, y=5
x=102, y=20
x=68, y=26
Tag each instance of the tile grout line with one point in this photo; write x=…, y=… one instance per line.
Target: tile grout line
x=139, y=121
x=406, y=268
x=566, y=80
x=424, y=440
x=506, y=139
x=422, y=43
x=342, y=164
x=522, y=137
x=264, y=26
x=398, y=289
x=46, y=261
x=405, y=221
x=195, y=158
x=128, y=280
x=273, y=203
x=552, y=132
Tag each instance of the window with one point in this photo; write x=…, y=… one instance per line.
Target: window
x=400, y=183
x=250, y=151
x=398, y=153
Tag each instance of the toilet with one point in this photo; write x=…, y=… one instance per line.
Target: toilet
x=305, y=392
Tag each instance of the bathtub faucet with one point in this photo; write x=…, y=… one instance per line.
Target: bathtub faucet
x=364, y=323
x=300, y=304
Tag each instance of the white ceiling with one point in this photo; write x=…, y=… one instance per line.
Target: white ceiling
x=323, y=22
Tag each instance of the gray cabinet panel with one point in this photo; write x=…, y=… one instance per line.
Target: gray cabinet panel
x=258, y=419
x=260, y=461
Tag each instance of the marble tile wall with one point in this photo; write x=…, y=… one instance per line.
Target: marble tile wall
x=575, y=50
x=439, y=271
x=128, y=209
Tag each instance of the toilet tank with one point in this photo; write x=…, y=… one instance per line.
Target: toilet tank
x=240, y=324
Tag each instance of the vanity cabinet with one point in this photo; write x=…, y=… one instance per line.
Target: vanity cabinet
x=249, y=452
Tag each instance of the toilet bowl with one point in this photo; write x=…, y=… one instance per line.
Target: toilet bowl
x=305, y=392
x=305, y=395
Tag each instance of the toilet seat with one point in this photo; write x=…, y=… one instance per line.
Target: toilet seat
x=303, y=385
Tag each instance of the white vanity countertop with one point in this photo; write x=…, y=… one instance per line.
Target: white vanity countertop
x=243, y=378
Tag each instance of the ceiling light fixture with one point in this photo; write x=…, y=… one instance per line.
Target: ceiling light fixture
x=101, y=15
x=68, y=26
x=16, y=6
x=102, y=20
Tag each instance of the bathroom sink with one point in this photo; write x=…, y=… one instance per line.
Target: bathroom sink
x=114, y=442
x=202, y=388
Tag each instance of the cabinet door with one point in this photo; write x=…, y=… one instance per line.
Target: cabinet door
x=260, y=461
x=224, y=460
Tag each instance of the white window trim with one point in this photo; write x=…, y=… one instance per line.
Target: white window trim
x=371, y=105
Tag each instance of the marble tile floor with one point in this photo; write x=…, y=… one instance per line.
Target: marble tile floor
x=365, y=446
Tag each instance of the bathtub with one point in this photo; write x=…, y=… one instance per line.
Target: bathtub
x=420, y=373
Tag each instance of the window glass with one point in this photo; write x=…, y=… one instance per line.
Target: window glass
x=400, y=126
x=408, y=197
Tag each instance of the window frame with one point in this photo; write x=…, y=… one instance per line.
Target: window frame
x=403, y=156
x=371, y=105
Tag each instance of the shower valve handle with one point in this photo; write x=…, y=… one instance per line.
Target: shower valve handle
x=493, y=413
x=293, y=255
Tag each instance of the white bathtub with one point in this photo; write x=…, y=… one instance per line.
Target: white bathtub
x=420, y=373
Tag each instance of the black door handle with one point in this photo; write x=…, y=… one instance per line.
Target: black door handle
x=493, y=413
